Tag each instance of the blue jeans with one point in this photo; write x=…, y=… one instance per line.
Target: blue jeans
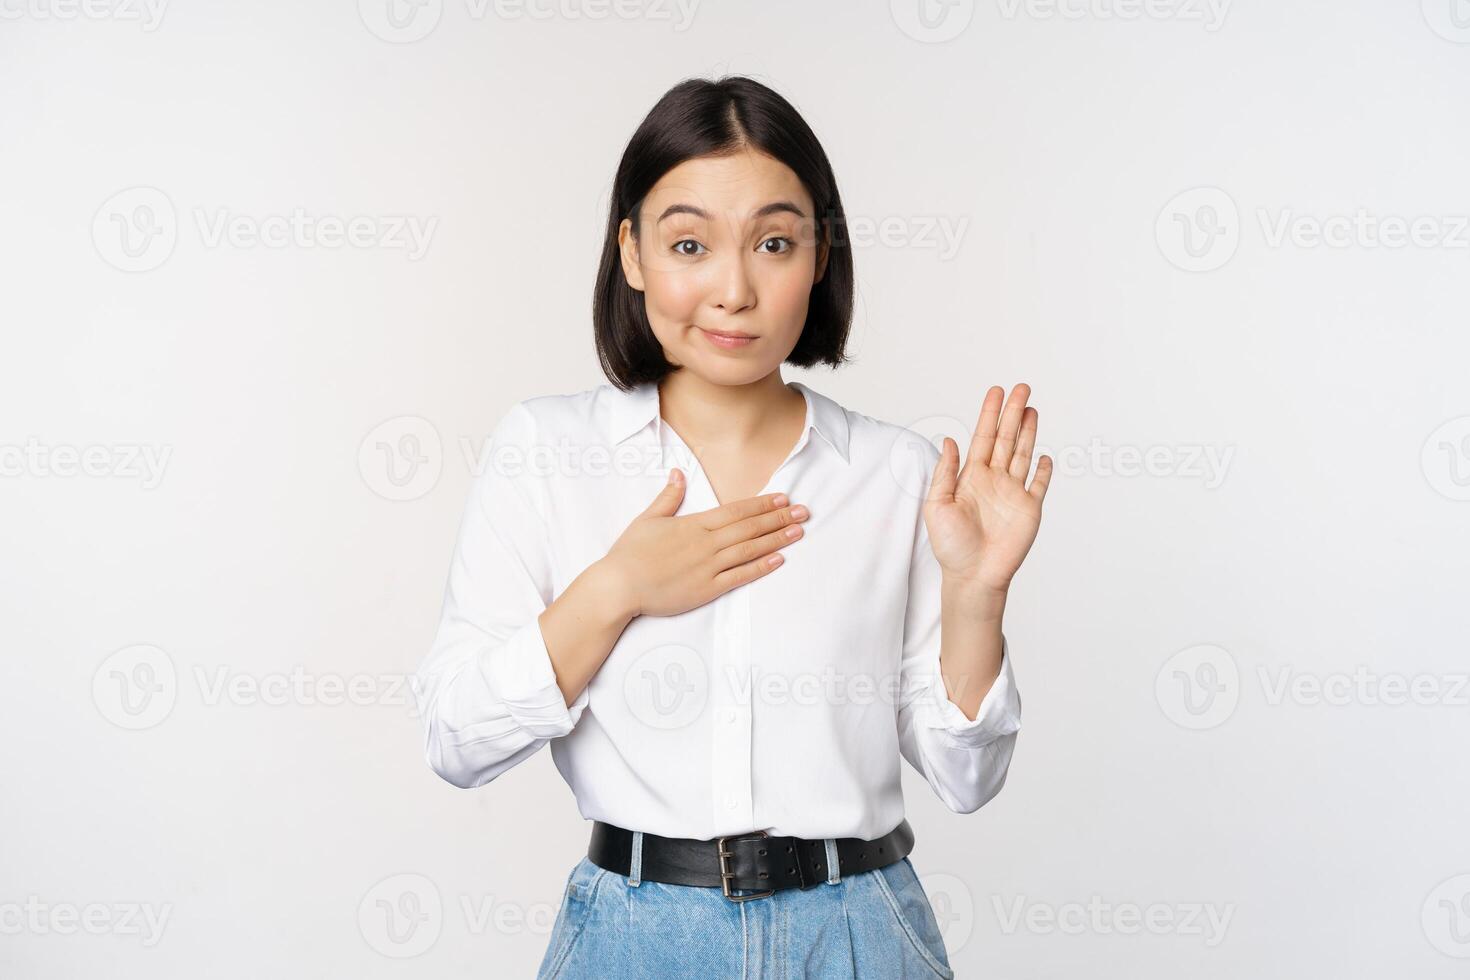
x=875, y=924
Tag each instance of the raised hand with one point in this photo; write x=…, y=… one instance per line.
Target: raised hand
x=982, y=518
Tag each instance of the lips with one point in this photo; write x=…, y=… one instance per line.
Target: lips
x=727, y=341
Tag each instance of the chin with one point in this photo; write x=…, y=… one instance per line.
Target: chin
x=727, y=371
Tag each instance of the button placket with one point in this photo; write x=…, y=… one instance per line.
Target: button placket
x=732, y=690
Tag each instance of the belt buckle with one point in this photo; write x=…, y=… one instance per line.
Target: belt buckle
x=726, y=874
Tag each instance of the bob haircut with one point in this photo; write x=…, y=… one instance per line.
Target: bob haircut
x=718, y=118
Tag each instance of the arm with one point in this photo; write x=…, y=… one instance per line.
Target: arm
x=979, y=523
x=508, y=668
x=960, y=736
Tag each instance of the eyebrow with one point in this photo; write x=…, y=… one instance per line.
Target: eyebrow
x=774, y=207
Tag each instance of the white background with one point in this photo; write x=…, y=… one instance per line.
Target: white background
x=1162, y=768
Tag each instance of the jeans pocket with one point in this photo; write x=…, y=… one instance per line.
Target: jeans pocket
x=576, y=903
x=915, y=916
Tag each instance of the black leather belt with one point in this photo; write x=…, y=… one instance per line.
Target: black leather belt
x=744, y=862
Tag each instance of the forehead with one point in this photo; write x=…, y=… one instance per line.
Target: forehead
x=738, y=183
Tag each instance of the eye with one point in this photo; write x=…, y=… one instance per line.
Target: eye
x=786, y=242
x=678, y=247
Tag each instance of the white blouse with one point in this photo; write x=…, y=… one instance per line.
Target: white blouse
x=781, y=705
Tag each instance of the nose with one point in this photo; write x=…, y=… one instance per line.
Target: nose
x=733, y=290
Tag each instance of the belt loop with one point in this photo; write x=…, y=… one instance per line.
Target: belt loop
x=834, y=873
x=635, y=866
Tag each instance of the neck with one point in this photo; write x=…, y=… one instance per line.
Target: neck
x=706, y=413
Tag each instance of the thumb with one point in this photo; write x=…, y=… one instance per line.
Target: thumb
x=669, y=497
x=946, y=472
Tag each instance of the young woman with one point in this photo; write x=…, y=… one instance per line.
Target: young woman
x=729, y=656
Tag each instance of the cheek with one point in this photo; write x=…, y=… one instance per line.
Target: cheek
x=786, y=291
x=673, y=295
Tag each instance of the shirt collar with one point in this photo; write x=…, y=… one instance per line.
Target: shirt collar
x=632, y=410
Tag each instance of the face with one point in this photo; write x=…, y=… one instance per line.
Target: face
x=726, y=254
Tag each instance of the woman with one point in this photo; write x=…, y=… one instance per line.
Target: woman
x=729, y=656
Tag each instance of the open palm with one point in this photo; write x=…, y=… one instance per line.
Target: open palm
x=983, y=518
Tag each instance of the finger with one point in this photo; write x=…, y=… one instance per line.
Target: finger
x=982, y=443
x=946, y=472
x=1042, y=479
x=753, y=548
x=752, y=527
x=748, y=572
x=739, y=509
x=1010, y=425
x=667, y=501
x=1021, y=461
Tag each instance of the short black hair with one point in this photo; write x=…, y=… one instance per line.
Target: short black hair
x=698, y=117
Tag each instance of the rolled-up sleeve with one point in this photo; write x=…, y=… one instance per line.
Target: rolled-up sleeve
x=964, y=760
x=487, y=693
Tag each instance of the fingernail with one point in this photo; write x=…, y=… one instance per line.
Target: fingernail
x=798, y=512
x=781, y=500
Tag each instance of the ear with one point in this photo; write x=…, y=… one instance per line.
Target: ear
x=824, y=249
x=628, y=249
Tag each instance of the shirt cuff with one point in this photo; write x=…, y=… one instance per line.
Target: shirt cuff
x=999, y=714
x=519, y=674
